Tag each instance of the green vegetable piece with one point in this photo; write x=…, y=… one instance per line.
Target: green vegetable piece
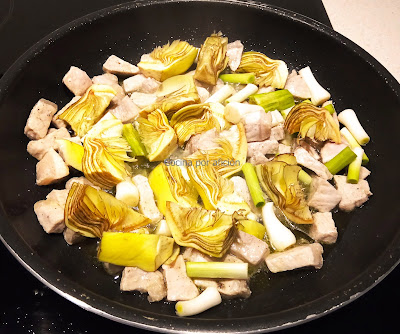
x=240, y=78
x=132, y=137
x=217, y=270
x=253, y=184
x=341, y=160
x=277, y=100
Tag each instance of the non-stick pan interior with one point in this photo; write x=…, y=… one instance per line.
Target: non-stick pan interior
x=368, y=244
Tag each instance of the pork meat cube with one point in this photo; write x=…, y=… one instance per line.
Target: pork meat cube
x=234, y=53
x=59, y=123
x=193, y=255
x=38, y=148
x=119, y=66
x=296, y=85
x=364, y=173
x=112, y=81
x=297, y=257
x=50, y=215
x=204, y=283
x=266, y=89
x=125, y=110
x=257, y=126
x=277, y=133
x=258, y=159
x=217, y=86
x=283, y=149
x=60, y=196
x=203, y=93
x=81, y=180
x=203, y=141
x=353, y=195
x=51, y=169
x=140, y=83
x=262, y=147
x=135, y=279
x=71, y=237
x=249, y=248
x=179, y=285
x=147, y=204
x=323, y=196
x=240, y=188
x=323, y=229
x=39, y=119
x=331, y=150
x=305, y=159
x=77, y=81
x=142, y=100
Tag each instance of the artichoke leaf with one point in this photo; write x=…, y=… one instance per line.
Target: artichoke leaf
x=91, y=212
x=268, y=72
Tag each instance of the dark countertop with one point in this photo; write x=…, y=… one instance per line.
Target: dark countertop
x=27, y=306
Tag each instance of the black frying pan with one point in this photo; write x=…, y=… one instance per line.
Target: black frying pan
x=369, y=238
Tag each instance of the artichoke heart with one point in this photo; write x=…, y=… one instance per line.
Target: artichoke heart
x=145, y=251
x=91, y=212
x=268, y=72
x=210, y=232
x=88, y=110
x=279, y=179
x=172, y=183
x=157, y=135
x=212, y=59
x=312, y=122
x=194, y=119
x=168, y=61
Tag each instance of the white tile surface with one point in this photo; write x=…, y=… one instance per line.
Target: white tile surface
x=372, y=24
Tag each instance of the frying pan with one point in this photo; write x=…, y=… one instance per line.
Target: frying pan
x=369, y=238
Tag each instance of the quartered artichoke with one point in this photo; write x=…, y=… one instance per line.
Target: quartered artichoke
x=312, y=122
x=172, y=183
x=90, y=212
x=279, y=179
x=268, y=72
x=212, y=59
x=89, y=109
x=210, y=232
x=157, y=135
x=168, y=61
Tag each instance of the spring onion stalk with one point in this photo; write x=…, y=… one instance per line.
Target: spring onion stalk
x=231, y=270
x=253, y=184
x=318, y=94
x=240, y=78
x=330, y=108
x=277, y=100
x=209, y=298
x=353, y=174
x=128, y=193
x=349, y=119
x=285, y=112
x=132, y=137
x=304, y=178
x=279, y=235
x=243, y=94
x=234, y=111
x=341, y=160
x=222, y=94
x=353, y=143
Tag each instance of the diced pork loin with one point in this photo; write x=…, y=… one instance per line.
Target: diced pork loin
x=59, y=123
x=119, y=66
x=277, y=118
x=240, y=188
x=296, y=85
x=203, y=141
x=217, y=86
x=283, y=149
x=193, y=255
x=305, y=159
x=323, y=229
x=277, y=133
x=267, y=89
x=203, y=93
x=249, y=248
x=331, y=150
x=179, y=285
x=71, y=237
x=353, y=195
x=77, y=81
x=51, y=169
x=60, y=196
x=140, y=83
x=258, y=159
x=257, y=126
x=364, y=173
x=309, y=145
x=204, y=283
x=112, y=81
x=135, y=279
x=39, y=119
x=297, y=257
x=263, y=147
x=142, y=100
x=81, y=180
x=125, y=110
x=234, y=53
x=38, y=148
x=323, y=196
x=50, y=215
x=147, y=204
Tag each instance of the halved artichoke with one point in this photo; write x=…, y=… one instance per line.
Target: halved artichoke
x=89, y=109
x=268, y=72
x=157, y=135
x=312, y=122
x=168, y=61
x=90, y=212
x=279, y=179
x=210, y=232
x=212, y=59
